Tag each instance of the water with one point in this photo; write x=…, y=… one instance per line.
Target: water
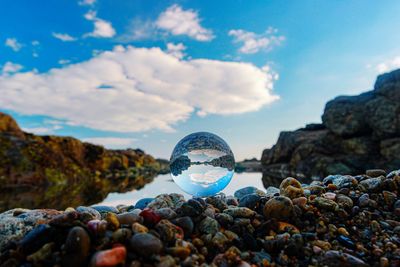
x=163, y=184
x=202, y=164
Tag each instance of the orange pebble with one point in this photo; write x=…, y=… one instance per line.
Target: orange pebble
x=110, y=257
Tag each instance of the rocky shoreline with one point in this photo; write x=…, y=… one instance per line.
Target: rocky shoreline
x=341, y=220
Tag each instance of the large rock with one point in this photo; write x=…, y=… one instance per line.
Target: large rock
x=357, y=133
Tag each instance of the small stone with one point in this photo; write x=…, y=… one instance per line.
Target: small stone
x=97, y=227
x=36, y=238
x=272, y=191
x=250, y=201
x=340, y=181
x=186, y=223
x=389, y=197
x=104, y=209
x=329, y=195
x=279, y=207
x=217, y=201
x=129, y=218
x=344, y=201
x=208, y=226
x=112, y=221
x=166, y=213
x=343, y=231
x=346, y=241
x=77, y=247
x=42, y=254
x=121, y=235
x=142, y=203
x=242, y=212
x=371, y=184
x=325, y=203
x=150, y=218
x=139, y=228
x=375, y=172
x=322, y=244
x=363, y=200
x=248, y=190
x=146, y=244
x=192, y=208
x=109, y=257
x=300, y=201
x=168, y=231
x=333, y=258
x=291, y=188
x=88, y=213
x=224, y=219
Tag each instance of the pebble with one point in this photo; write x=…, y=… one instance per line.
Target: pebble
x=246, y=191
x=333, y=258
x=242, y=212
x=371, y=184
x=325, y=203
x=103, y=209
x=109, y=257
x=340, y=181
x=146, y=244
x=208, y=226
x=88, y=213
x=250, y=201
x=169, y=231
x=142, y=203
x=278, y=208
x=150, y=218
x=291, y=188
x=186, y=223
x=129, y=218
x=77, y=247
x=139, y=228
x=375, y=172
x=272, y=191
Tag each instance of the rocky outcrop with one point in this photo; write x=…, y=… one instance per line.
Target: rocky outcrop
x=357, y=133
x=54, y=165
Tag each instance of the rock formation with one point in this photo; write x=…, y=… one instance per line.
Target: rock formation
x=55, y=165
x=357, y=133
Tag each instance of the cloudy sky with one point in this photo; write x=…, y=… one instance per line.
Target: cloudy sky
x=147, y=73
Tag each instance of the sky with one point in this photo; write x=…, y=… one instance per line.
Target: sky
x=144, y=74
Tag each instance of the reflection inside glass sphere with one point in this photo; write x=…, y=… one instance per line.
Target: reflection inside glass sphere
x=202, y=164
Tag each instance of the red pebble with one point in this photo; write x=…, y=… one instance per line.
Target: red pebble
x=110, y=257
x=149, y=217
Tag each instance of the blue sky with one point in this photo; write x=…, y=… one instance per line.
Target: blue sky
x=147, y=73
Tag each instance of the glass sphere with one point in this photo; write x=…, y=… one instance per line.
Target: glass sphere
x=202, y=164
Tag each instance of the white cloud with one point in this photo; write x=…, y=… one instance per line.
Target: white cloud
x=87, y=2
x=10, y=67
x=65, y=37
x=111, y=142
x=102, y=28
x=176, y=50
x=13, y=44
x=387, y=65
x=138, y=89
x=178, y=21
x=35, y=43
x=64, y=61
x=253, y=43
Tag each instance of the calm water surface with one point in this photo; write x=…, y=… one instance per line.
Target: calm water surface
x=163, y=184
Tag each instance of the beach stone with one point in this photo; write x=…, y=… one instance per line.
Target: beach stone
x=192, y=208
x=129, y=218
x=166, y=201
x=142, y=203
x=186, y=223
x=166, y=213
x=88, y=213
x=340, y=181
x=150, y=218
x=272, y=191
x=224, y=219
x=14, y=227
x=121, y=235
x=325, y=203
x=77, y=247
x=217, y=201
x=291, y=188
x=168, y=231
x=104, y=209
x=109, y=257
x=372, y=184
x=208, y=226
x=279, y=207
x=139, y=228
x=249, y=201
x=36, y=238
x=333, y=258
x=344, y=201
x=146, y=244
x=375, y=172
x=248, y=190
x=242, y=212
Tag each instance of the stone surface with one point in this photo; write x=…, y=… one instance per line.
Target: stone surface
x=357, y=133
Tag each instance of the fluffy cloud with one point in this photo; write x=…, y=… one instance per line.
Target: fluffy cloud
x=178, y=21
x=253, y=43
x=10, y=67
x=111, y=142
x=137, y=89
x=102, y=28
x=388, y=65
x=64, y=37
x=13, y=44
x=176, y=50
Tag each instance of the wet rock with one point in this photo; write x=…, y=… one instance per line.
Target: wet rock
x=121, y=235
x=371, y=184
x=104, y=209
x=248, y=190
x=389, y=197
x=166, y=213
x=375, y=172
x=166, y=201
x=217, y=201
x=291, y=188
x=146, y=244
x=97, y=227
x=77, y=247
x=142, y=203
x=344, y=201
x=250, y=201
x=242, y=212
x=42, y=254
x=15, y=223
x=272, y=191
x=208, y=226
x=280, y=208
x=138, y=228
x=224, y=219
x=325, y=203
x=150, y=218
x=192, y=208
x=335, y=258
x=112, y=221
x=109, y=257
x=169, y=231
x=129, y=218
x=340, y=181
x=186, y=223
x=88, y=213
x=36, y=238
